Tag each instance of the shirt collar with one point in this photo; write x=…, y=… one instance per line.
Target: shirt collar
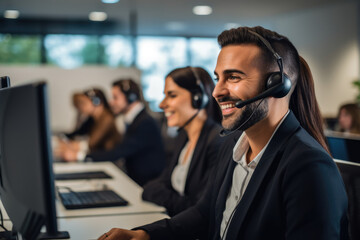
x=133, y=112
x=242, y=146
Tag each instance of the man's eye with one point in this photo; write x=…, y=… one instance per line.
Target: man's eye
x=234, y=77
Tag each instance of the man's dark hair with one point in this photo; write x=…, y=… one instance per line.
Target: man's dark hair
x=130, y=88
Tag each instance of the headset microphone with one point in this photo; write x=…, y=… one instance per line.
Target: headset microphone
x=224, y=132
x=241, y=104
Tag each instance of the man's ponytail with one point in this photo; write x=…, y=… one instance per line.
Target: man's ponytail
x=305, y=107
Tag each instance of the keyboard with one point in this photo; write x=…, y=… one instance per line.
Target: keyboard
x=93, y=199
x=82, y=175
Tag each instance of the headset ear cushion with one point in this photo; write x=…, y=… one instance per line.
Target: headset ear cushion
x=273, y=80
x=280, y=84
x=196, y=100
x=96, y=101
x=131, y=97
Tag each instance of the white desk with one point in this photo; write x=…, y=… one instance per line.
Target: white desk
x=88, y=228
x=120, y=183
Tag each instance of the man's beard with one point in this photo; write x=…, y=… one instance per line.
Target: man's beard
x=252, y=113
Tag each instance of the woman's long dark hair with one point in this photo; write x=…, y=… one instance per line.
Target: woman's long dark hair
x=303, y=101
x=185, y=78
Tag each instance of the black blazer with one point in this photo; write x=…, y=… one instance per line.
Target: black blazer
x=296, y=192
x=160, y=190
x=142, y=148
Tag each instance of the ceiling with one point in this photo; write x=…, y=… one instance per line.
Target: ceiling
x=156, y=17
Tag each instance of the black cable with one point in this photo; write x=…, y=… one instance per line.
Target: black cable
x=188, y=121
x=1, y=218
x=3, y=227
x=237, y=204
x=65, y=187
x=228, y=223
x=2, y=222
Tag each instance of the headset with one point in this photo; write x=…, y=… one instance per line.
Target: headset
x=199, y=98
x=278, y=85
x=96, y=101
x=130, y=95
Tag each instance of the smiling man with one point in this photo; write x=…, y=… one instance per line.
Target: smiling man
x=275, y=178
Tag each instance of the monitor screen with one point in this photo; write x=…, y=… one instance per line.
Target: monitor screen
x=344, y=147
x=26, y=180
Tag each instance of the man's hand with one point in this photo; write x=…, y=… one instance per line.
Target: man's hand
x=123, y=234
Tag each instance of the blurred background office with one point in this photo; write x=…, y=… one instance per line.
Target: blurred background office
x=73, y=44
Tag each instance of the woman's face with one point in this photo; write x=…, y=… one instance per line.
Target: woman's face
x=85, y=105
x=176, y=104
x=345, y=120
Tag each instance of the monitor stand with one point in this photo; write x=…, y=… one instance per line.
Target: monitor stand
x=8, y=235
x=57, y=235
x=11, y=235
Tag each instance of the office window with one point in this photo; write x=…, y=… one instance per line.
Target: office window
x=118, y=51
x=203, y=53
x=156, y=57
x=70, y=51
x=16, y=49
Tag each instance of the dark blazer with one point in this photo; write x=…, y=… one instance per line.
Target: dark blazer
x=82, y=130
x=296, y=192
x=142, y=148
x=160, y=190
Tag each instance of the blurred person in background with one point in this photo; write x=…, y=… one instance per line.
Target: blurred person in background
x=349, y=118
x=102, y=133
x=141, y=148
x=83, y=121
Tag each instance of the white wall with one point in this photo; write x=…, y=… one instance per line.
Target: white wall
x=327, y=38
x=64, y=82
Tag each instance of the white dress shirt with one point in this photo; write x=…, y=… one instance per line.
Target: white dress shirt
x=124, y=120
x=180, y=172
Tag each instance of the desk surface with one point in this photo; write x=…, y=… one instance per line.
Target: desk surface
x=120, y=183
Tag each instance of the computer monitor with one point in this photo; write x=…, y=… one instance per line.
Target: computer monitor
x=344, y=147
x=27, y=188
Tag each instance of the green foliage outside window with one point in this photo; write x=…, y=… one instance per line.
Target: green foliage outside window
x=356, y=83
x=20, y=49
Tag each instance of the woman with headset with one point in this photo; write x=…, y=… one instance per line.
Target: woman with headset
x=188, y=105
x=102, y=133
